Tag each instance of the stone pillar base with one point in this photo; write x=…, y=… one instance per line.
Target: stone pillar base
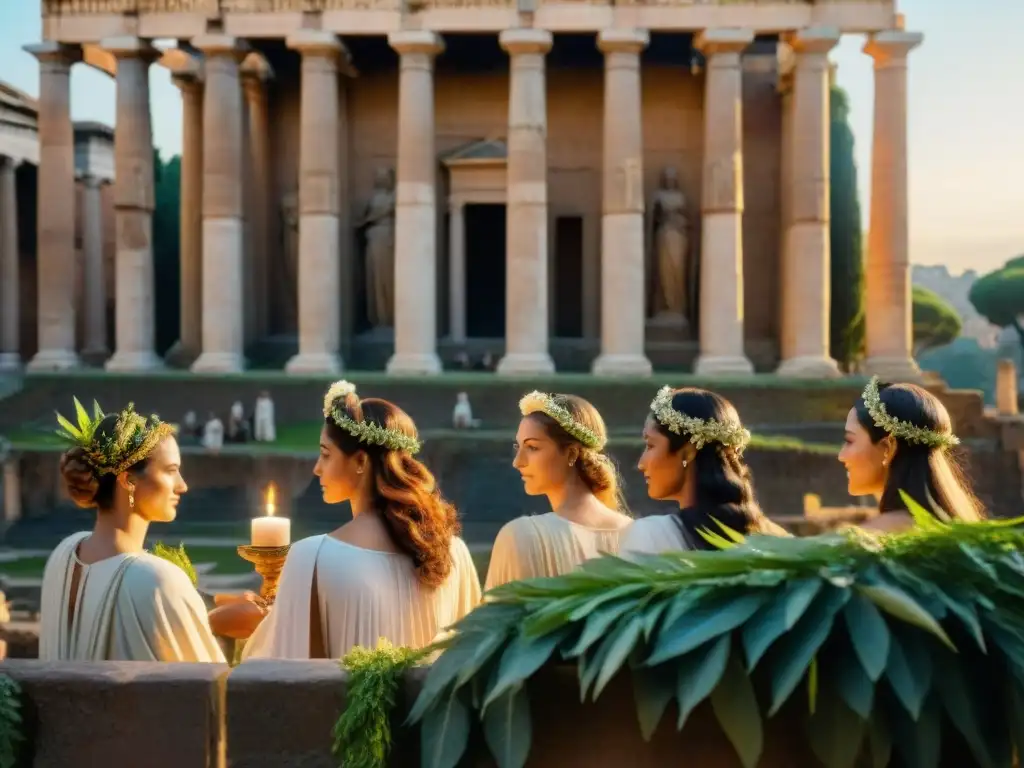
x=526, y=364
x=219, y=362
x=719, y=365
x=621, y=365
x=314, y=362
x=809, y=367
x=53, y=360
x=97, y=356
x=180, y=356
x=893, y=369
x=146, y=360
x=414, y=364
x=10, y=361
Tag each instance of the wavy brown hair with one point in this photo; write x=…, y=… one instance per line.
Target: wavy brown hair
x=594, y=467
x=420, y=521
x=85, y=487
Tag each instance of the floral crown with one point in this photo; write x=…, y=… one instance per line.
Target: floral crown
x=364, y=431
x=701, y=431
x=133, y=439
x=539, y=402
x=902, y=430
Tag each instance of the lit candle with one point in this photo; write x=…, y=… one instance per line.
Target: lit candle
x=271, y=531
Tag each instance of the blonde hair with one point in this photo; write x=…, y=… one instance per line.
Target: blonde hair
x=594, y=467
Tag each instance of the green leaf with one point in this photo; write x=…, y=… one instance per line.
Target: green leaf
x=588, y=607
x=736, y=708
x=508, y=729
x=707, y=621
x=909, y=688
x=901, y=605
x=651, y=617
x=835, y=733
x=879, y=741
x=652, y=689
x=854, y=685
x=620, y=644
x=697, y=674
x=919, y=743
x=521, y=659
x=444, y=733
x=793, y=653
x=777, y=617
x=963, y=608
x=597, y=625
x=868, y=633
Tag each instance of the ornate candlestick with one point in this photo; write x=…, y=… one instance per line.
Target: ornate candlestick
x=269, y=562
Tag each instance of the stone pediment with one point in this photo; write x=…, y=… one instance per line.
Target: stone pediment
x=480, y=152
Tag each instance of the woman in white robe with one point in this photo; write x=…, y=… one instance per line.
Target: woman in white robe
x=398, y=571
x=103, y=596
x=559, y=454
x=693, y=456
x=899, y=437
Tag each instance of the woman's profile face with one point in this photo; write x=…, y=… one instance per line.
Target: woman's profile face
x=159, y=487
x=542, y=464
x=662, y=469
x=863, y=459
x=339, y=473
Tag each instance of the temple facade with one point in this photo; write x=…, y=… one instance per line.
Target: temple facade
x=568, y=185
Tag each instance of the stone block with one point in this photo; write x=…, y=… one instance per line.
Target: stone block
x=160, y=715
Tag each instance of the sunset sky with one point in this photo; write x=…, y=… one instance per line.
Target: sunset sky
x=966, y=113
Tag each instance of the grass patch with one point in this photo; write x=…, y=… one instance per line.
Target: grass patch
x=24, y=567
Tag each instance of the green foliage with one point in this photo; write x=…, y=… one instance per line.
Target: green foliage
x=362, y=735
x=179, y=557
x=11, y=734
x=964, y=364
x=999, y=296
x=936, y=323
x=847, y=293
x=850, y=628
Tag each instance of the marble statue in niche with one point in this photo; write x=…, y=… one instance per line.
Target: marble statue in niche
x=378, y=228
x=671, y=287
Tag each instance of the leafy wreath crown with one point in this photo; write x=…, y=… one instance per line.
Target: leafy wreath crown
x=701, y=431
x=902, y=430
x=133, y=439
x=364, y=431
x=539, y=402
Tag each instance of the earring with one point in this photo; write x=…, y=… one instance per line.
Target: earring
x=685, y=462
x=131, y=498
x=572, y=463
x=359, y=471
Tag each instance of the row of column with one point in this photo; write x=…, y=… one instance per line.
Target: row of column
x=218, y=132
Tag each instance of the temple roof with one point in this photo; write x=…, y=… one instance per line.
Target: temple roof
x=479, y=151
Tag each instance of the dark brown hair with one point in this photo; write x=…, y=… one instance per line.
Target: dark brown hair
x=84, y=485
x=594, y=467
x=420, y=521
x=931, y=476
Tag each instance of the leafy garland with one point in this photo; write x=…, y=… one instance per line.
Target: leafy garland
x=179, y=557
x=11, y=734
x=362, y=735
x=904, y=642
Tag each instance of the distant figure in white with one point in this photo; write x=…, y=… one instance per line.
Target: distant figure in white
x=462, y=414
x=213, y=433
x=263, y=418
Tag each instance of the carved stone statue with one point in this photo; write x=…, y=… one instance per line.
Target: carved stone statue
x=378, y=224
x=263, y=419
x=670, y=245
x=290, y=246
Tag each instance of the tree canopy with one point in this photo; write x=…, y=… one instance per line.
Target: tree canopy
x=999, y=296
x=936, y=323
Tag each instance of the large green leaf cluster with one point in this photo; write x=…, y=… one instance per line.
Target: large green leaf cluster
x=897, y=645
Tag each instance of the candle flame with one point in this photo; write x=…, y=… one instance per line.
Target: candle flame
x=271, y=501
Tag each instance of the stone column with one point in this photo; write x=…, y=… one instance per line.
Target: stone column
x=622, y=220
x=10, y=317
x=56, y=195
x=223, y=196
x=415, y=207
x=190, y=322
x=526, y=323
x=94, y=283
x=806, y=260
x=1006, y=388
x=254, y=82
x=721, y=258
x=457, y=271
x=134, y=201
x=319, y=209
x=888, y=307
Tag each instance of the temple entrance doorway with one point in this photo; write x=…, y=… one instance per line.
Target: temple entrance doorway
x=567, y=298
x=485, y=270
